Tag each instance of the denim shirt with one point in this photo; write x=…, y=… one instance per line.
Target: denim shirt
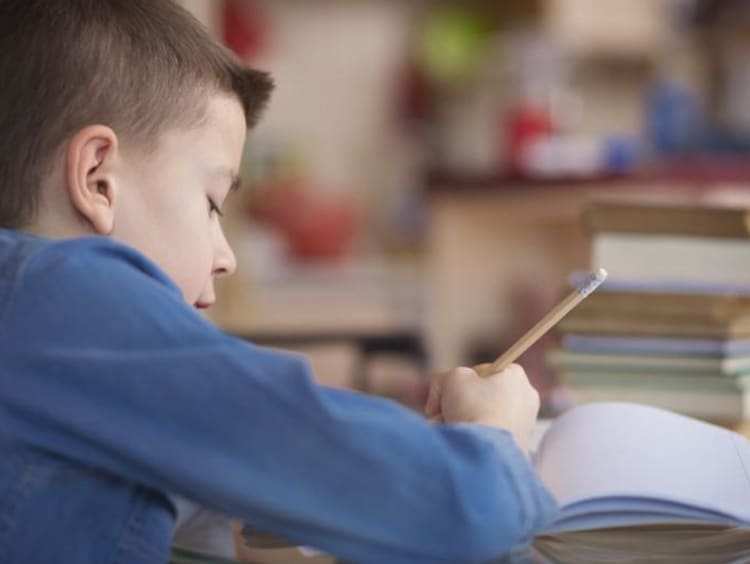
x=113, y=391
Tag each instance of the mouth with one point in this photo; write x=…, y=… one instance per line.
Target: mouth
x=203, y=305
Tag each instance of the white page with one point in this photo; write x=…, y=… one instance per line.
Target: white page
x=672, y=258
x=611, y=449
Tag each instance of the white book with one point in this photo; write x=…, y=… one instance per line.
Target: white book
x=639, y=484
x=667, y=259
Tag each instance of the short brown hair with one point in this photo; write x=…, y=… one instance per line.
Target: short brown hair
x=139, y=66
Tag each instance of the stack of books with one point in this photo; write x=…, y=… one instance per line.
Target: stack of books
x=671, y=326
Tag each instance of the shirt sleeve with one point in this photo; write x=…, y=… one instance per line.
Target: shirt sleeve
x=104, y=363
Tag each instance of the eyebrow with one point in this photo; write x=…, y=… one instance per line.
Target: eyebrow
x=235, y=182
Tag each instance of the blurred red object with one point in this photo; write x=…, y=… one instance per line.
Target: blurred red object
x=246, y=29
x=314, y=226
x=524, y=125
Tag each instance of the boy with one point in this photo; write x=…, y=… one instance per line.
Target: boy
x=122, y=128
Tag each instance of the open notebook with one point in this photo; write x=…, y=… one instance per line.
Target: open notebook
x=635, y=484
x=639, y=484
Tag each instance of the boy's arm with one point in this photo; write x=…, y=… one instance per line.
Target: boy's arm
x=102, y=362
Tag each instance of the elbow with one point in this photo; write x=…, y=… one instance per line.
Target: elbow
x=499, y=503
x=484, y=536
x=491, y=524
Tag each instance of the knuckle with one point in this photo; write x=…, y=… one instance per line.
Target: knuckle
x=535, y=397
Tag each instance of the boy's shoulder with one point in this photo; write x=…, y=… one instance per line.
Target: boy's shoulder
x=88, y=290
x=25, y=256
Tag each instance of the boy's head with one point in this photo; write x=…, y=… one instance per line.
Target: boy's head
x=123, y=118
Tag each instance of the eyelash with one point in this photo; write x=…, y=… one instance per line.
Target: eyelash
x=212, y=207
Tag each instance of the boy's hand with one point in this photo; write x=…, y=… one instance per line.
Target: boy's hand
x=505, y=400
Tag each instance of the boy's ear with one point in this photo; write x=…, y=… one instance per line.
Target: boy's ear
x=90, y=181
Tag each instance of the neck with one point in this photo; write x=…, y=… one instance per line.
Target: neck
x=56, y=218
x=57, y=226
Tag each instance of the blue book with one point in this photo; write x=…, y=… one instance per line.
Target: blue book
x=656, y=346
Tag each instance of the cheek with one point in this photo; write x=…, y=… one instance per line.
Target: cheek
x=191, y=256
x=163, y=213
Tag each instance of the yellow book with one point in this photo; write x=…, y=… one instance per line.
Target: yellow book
x=620, y=216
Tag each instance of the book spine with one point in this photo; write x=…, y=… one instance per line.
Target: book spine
x=662, y=220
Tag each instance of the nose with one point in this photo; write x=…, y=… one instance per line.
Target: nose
x=225, y=263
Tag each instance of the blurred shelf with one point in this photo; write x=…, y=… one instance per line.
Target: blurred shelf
x=703, y=169
x=444, y=180
x=689, y=172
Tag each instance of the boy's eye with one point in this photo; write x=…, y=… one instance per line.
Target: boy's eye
x=213, y=208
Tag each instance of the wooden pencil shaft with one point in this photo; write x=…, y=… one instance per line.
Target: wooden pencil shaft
x=533, y=334
x=594, y=280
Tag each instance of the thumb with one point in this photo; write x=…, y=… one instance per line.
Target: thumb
x=433, y=407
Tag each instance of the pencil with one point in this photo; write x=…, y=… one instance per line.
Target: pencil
x=547, y=322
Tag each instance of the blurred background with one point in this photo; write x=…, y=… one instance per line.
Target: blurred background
x=413, y=197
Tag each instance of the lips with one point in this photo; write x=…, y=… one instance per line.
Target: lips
x=203, y=305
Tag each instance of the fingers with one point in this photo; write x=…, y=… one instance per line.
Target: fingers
x=433, y=407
